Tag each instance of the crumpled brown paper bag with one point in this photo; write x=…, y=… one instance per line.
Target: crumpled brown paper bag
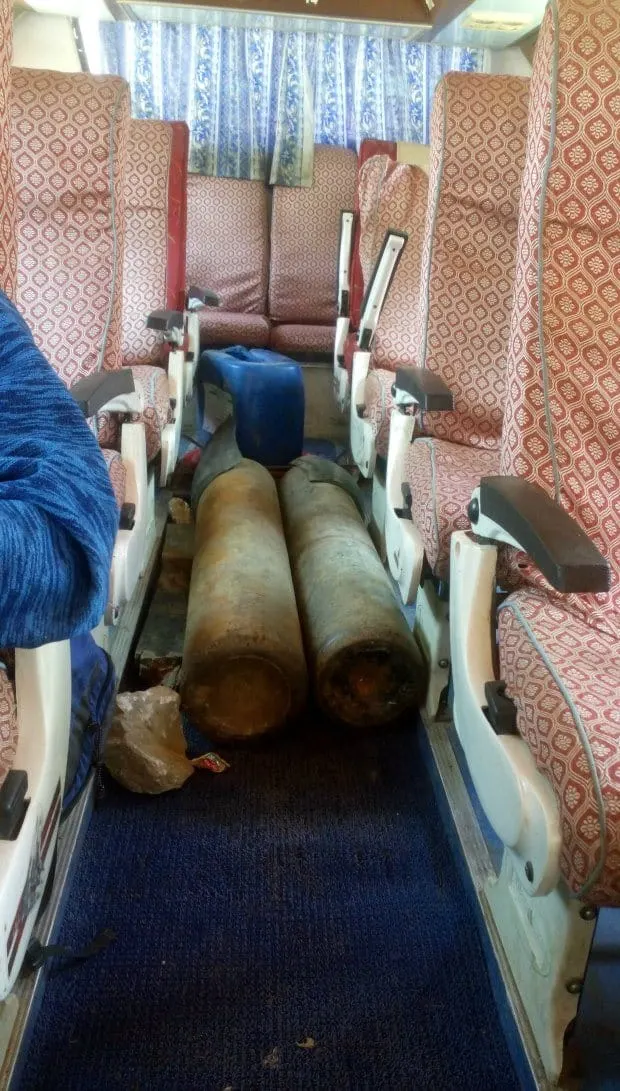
x=145, y=748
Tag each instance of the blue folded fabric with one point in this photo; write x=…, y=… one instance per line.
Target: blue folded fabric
x=58, y=514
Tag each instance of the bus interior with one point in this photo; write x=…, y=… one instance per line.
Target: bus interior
x=309, y=545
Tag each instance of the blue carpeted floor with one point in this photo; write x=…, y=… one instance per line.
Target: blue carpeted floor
x=306, y=895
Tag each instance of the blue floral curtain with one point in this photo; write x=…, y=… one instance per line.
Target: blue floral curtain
x=257, y=100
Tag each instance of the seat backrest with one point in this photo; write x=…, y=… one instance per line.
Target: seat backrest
x=305, y=229
x=8, y=259
x=401, y=152
x=368, y=149
x=228, y=241
x=154, y=233
x=562, y=419
x=68, y=139
x=8, y=246
x=478, y=132
x=394, y=196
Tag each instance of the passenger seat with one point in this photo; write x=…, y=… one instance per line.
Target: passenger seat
x=452, y=400
x=228, y=253
x=305, y=226
x=69, y=136
x=542, y=736
x=154, y=324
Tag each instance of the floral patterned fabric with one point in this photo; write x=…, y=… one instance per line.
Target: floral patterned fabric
x=305, y=230
x=118, y=474
x=392, y=195
x=564, y=677
x=379, y=405
x=69, y=145
x=221, y=329
x=299, y=339
x=258, y=99
x=478, y=136
x=151, y=384
x=402, y=205
x=8, y=725
x=8, y=248
x=562, y=425
x=368, y=148
x=442, y=477
x=350, y=347
x=226, y=217
x=145, y=259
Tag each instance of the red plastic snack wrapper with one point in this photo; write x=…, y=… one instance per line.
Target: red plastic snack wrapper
x=213, y=762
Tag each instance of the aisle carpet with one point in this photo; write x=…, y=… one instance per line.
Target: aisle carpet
x=296, y=923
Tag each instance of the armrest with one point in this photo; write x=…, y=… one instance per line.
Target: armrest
x=201, y=297
x=521, y=513
x=425, y=387
x=382, y=276
x=94, y=392
x=170, y=323
x=347, y=223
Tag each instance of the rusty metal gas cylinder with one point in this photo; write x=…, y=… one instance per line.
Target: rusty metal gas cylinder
x=244, y=672
x=364, y=663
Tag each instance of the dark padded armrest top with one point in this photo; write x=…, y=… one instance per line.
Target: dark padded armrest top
x=559, y=547
x=202, y=296
x=93, y=392
x=165, y=321
x=428, y=389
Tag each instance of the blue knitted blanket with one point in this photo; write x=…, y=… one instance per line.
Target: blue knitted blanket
x=58, y=515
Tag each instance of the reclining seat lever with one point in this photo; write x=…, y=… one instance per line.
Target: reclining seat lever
x=13, y=804
x=500, y=710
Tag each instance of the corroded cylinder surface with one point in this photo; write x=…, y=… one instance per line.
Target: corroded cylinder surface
x=244, y=671
x=366, y=667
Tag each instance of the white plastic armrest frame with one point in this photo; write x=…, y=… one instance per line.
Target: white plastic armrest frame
x=403, y=541
x=382, y=276
x=347, y=220
x=129, y=557
x=43, y=695
x=516, y=798
x=123, y=403
x=193, y=352
x=171, y=435
x=361, y=432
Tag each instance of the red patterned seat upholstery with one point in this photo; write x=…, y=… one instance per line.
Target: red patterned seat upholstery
x=445, y=475
x=228, y=253
x=305, y=228
x=70, y=145
x=8, y=245
x=392, y=195
x=8, y=261
x=461, y=332
x=368, y=148
x=153, y=266
x=559, y=653
x=68, y=141
x=564, y=676
x=151, y=386
x=478, y=133
x=149, y=281
x=118, y=474
x=223, y=328
x=299, y=338
x=8, y=725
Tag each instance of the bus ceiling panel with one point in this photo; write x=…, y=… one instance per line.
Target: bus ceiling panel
x=486, y=24
x=73, y=9
x=411, y=16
